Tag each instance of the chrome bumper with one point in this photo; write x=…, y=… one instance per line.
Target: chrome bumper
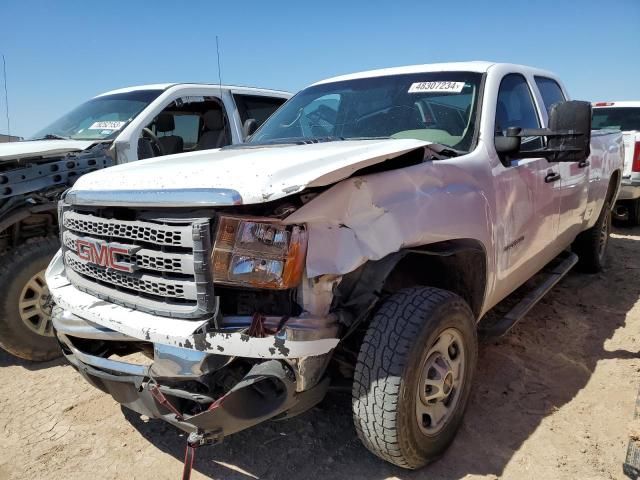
x=630, y=187
x=168, y=361
x=300, y=337
x=133, y=385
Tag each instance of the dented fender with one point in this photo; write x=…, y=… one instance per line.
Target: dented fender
x=367, y=218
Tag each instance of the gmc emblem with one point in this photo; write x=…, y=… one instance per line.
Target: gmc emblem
x=105, y=255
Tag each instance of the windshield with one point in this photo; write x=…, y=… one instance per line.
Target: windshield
x=438, y=107
x=99, y=118
x=619, y=118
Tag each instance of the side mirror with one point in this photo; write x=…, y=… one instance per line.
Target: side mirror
x=249, y=127
x=568, y=135
x=573, y=117
x=506, y=145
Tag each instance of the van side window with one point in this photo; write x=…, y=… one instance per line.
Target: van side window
x=550, y=91
x=515, y=108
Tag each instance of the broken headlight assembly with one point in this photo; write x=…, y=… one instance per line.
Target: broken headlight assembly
x=258, y=253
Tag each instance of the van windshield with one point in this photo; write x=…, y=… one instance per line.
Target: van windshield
x=618, y=118
x=438, y=107
x=100, y=118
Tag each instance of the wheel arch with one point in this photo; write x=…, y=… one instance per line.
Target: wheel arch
x=612, y=193
x=28, y=222
x=458, y=265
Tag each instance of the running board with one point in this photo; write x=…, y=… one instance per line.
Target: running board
x=551, y=274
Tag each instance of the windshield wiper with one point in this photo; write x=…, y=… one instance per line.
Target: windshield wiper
x=444, y=151
x=367, y=138
x=293, y=141
x=307, y=140
x=52, y=136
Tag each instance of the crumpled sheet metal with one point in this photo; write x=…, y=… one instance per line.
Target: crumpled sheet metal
x=367, y=218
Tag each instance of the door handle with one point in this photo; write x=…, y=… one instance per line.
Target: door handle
x=551, y=177
x=584, y=163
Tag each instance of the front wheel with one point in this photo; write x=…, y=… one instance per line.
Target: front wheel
x=25, y=304
x=413, y=376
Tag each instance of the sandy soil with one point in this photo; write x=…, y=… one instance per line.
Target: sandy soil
x=553, y=399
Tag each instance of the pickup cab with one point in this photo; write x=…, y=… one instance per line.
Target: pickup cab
x=624, y=116
x=361, y=235
x=116, y=127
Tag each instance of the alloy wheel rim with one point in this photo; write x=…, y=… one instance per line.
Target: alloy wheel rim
x=35, y=305
x=440, y=383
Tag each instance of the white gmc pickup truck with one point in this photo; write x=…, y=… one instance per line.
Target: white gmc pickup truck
x=116, y=127
x=362, y=233
x=624, y=116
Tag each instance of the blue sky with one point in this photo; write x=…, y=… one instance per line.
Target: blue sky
x=64, y=52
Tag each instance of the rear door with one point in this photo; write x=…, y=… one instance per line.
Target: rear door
x=573, y=175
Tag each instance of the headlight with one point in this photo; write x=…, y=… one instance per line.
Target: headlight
x=258, y=253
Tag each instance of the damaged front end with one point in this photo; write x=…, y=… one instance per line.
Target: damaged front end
x=205, y=320
x=193, y=390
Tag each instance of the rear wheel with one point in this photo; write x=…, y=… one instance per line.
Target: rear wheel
x=413, y=376
x=591, y=245
x=25, y=303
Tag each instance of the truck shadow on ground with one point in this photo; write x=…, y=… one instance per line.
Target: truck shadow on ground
x=8, y=360
x=521, y=379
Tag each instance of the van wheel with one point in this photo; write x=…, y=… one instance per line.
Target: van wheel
x=591, y=245
x=413, y=376
x=25, y=304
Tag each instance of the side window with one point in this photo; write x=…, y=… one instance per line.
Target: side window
x=258, y=107
x=515, y=108
x=550, y=91
x=187, y=127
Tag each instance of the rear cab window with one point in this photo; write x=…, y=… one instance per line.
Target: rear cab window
x=617, y=118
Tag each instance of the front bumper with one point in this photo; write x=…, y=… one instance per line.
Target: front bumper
x=283, y=374
x=300, y=337
x=266, y=391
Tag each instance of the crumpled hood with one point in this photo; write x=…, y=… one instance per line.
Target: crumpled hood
x=36, y=148
x=258, y=174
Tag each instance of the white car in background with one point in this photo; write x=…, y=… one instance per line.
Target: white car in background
x=624, y=116
x=114, y=128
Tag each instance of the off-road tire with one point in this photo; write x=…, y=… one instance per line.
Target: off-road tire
x=587, y=245
x=388, y=371
x=17, y=267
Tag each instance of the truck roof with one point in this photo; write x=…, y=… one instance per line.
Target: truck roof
x=472, y=66
x=628, y=103
x=165, y=86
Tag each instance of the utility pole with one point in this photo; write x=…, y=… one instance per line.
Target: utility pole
x=6, y=96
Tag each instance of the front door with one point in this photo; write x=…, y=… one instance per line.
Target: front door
x=527, y=193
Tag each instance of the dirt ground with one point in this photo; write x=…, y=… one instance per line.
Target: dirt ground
x=552, y=400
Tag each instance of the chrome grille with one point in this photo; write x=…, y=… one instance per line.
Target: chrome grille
x=170, y=272
x=136, y=231
x=146, y=259
x=139, y=283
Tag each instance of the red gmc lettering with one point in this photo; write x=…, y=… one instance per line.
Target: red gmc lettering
x=103, y=255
